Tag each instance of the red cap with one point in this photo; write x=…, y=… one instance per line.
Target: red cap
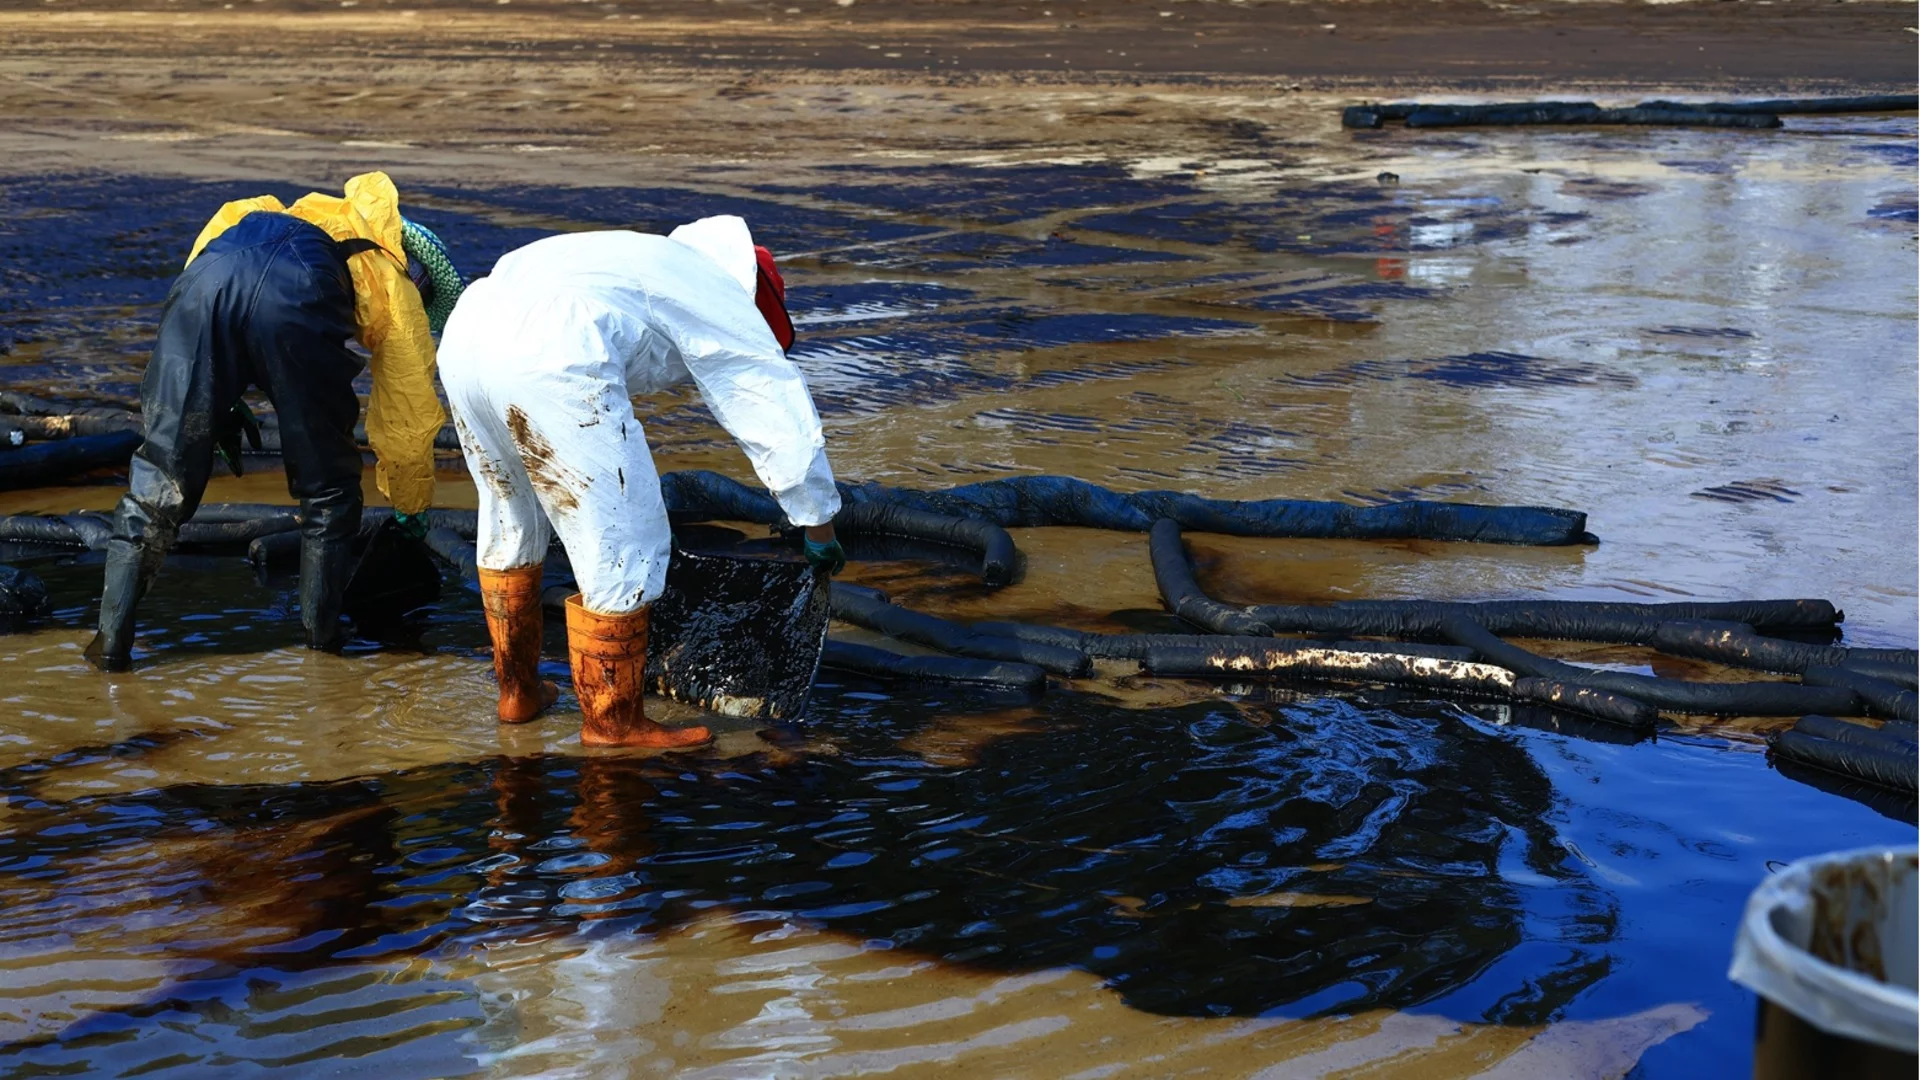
x=770, y=296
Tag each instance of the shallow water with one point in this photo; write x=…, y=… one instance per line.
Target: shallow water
x=244, y=856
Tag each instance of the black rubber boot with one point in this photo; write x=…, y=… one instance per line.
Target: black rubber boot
x=325, y=566
x=326, y=563
x=128, y=574
x=143, y=531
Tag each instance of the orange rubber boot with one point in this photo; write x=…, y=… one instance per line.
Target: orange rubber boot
x=512, y=602
x=609, y=654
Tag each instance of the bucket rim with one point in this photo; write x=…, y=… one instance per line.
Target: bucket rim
x=1809, y=987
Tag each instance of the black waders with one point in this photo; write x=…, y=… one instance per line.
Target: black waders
x=268, y=303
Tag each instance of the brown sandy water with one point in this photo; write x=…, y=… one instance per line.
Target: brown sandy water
x=320, y=863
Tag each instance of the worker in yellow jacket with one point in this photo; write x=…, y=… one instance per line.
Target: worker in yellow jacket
x=269, y=297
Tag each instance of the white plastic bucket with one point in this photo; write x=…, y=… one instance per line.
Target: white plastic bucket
x=1830, y=945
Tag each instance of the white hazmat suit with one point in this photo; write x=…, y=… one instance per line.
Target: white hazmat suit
x=542, y=358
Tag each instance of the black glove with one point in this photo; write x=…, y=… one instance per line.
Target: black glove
x=227, y=442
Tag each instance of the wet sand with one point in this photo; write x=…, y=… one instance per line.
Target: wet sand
x=1376, y=46
x=1014, y=250
x=778, y=83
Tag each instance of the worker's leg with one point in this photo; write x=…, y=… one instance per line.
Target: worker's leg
x=513, y=531
x=603, y=496
x=196, y=373
x=298, y=334
x=586, y=456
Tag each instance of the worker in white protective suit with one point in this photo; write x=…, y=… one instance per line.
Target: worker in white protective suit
x=541, y=360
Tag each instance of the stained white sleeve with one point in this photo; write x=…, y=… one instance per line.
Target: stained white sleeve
x=760, y=397
x=815, y=499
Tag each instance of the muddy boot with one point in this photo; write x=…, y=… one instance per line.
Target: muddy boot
x=325, y=566
x=327, y=528
x=609, y=655
x=129, y=572
x=512, y=602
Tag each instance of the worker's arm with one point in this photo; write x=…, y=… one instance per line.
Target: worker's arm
x=759, y=396
x=230, y=214
x=403, y=413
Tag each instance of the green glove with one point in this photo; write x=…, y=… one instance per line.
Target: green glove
x=829, y=556
x=227, y=444
x=413, y=525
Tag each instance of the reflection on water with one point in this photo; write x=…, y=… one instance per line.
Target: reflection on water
x=1323, y=858
x=1200, y=861
x=247, y=856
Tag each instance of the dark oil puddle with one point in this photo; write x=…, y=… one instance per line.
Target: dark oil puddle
x=814, y=306
x=1441, y=490
x=1224, y=447
x=1019, y=328
x=1323, y=857
x=998, y=195
x=95, y=254
x=1594, y=187
x=1701, y=167
x=1903, y=154
x=779, y=225
x=1731, y=333
x=1749, y=491
x=869, y=237
x=1897, y=207
x=1472, y=370
x=91, y=256
x=1319, y=295
x=86, y=260
x=1331, y=219
x=1341, y=301
x=960, y=252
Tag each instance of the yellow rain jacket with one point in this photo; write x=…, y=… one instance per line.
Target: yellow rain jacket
x=403, y=413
